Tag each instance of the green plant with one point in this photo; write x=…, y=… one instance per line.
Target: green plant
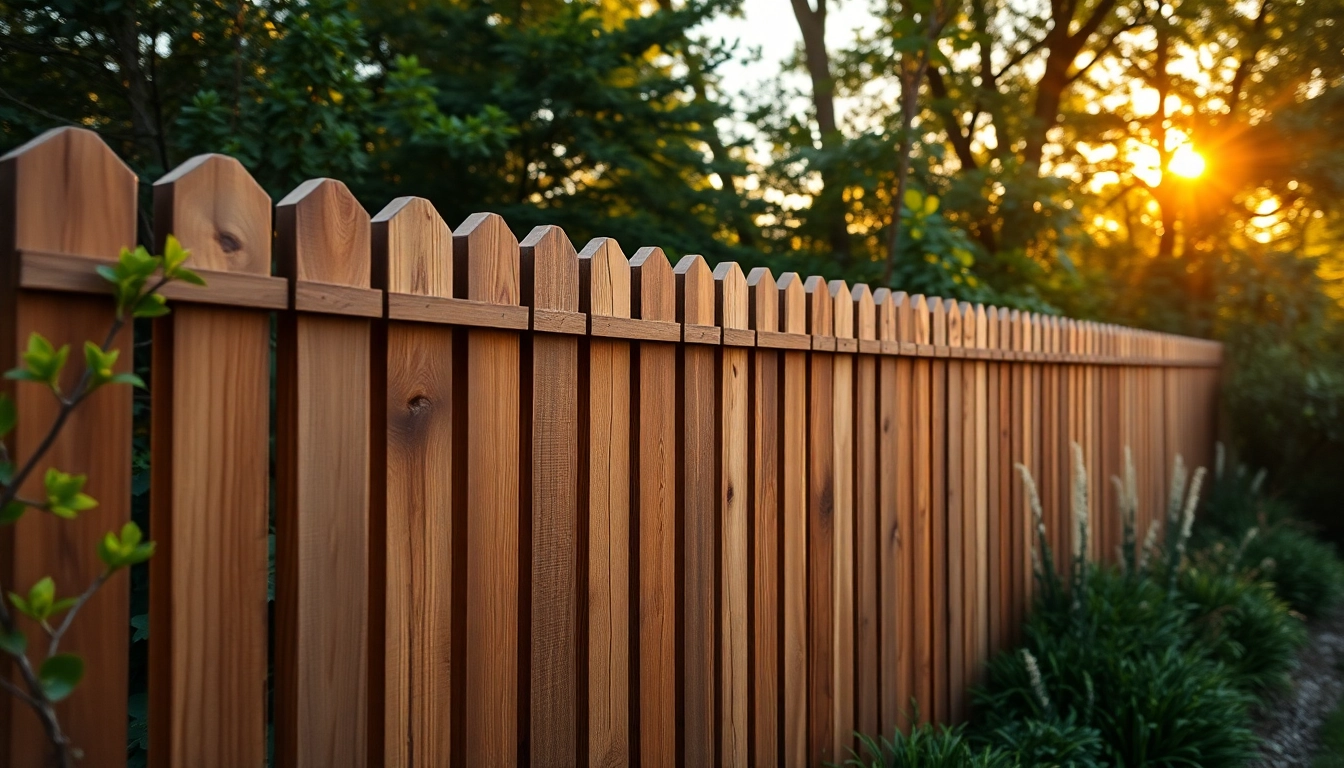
x=48, y=675
x=927, y=746
x=1244, y=626
x=1114, y=649
x=1046, y=743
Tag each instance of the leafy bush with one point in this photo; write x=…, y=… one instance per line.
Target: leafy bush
x=1304, y=571
x=1045, y=743
x=1243, y=625
x=927, y=746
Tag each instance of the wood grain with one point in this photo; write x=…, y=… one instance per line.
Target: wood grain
x=485, y=268
x=209, y=449
x=734, y=508
x=821, y=528
x=604, y=495
x=867, y=670
x=550, y=280
x=921, y=406
x=843, y=552
x=65, y=191
x=794, y=503
x=956, y=520
x=324, y=391
x=939, y=515
x=765, y=679
x=654, y=298
x=698, y=484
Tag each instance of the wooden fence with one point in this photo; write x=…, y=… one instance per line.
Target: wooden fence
x=533, y=505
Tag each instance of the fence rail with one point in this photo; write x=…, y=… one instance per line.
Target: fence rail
x=539, y=505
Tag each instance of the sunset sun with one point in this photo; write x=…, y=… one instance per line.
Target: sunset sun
x=1187, y=162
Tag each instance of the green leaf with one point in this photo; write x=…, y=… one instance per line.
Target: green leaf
x=65, y=496
x=100, y=363
x=126, y=549
x=6, y=473
x=19, y=603
x=914, y=200
x=174, y=256
x=60, y=674
x=14, y=643
x=41, y=362
x=41, y=597
x=12, y=512
x=9, y=415
x=63, y=605
x=128, y=378
x=150, y=305
x=187, y=276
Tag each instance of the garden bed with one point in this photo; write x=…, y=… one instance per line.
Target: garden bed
x=1289, y=723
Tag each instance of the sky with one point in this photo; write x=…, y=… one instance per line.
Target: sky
x=770, y=26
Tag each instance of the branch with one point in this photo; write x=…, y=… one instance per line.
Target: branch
x=60, y=631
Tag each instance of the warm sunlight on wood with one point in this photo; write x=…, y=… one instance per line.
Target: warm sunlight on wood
x=1187, y=162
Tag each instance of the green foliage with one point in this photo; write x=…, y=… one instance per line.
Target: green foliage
x=1304, y=571
x=927, y=746
x=1048, y=743
x=1330, y=754
x=1243, y=625
x=1121, y=660
x=135, y=278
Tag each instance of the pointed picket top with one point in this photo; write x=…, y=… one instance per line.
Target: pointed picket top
x=920, y=320
x=412, y=249
x=820, y=307
x=938, y=321
x=905, y=318
x=71, y=194
x=604, y=279
x=323, y=235
x=486, y=260
x=653, y=287
x=953, y=311
x=214, y=207
x=730, y=293
x=763, y=297
x=1006, y=329
x=865, y=312
x=792, y=303
x=842, y=309
x=695, y=291
x=992, y=327
x=884, y=305
x=550, y=269
x=981, y=327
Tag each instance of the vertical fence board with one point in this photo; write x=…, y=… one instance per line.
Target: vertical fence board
x=66, y=192
x=921, y=406
x=956, y=519
x=698, y=486
x=486, y=269
x=794, y=504
x=324, y=395
x=821, y=525
x=211, y=406
x=868, y=671
x=655, y=298
x=765, y=682
x=604, y=496
x=892, y=591
x=550, y=280
x=939, y=512
x=842, y=518
x=734, y=507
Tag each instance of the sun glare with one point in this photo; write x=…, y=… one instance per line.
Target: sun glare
x=1185, y=161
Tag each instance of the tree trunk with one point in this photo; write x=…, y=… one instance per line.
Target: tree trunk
x=830, y=204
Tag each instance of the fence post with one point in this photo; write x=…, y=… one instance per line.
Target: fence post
x=842, y=519
x=322, y=477
x=209, y=498
x=732, y=310
x=486, y=269
x=65, y=192
x=868, y=672
x=697, y=485
x=550, y=285
x=656, y=469
x=921, y=406
x=794, y=505
x=604, y=508
x=411, y=591
x=764, y=539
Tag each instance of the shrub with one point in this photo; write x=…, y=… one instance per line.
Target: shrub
x=1305, y=572
x=927, y=746
x=1046, y=743
x=1243, y=625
